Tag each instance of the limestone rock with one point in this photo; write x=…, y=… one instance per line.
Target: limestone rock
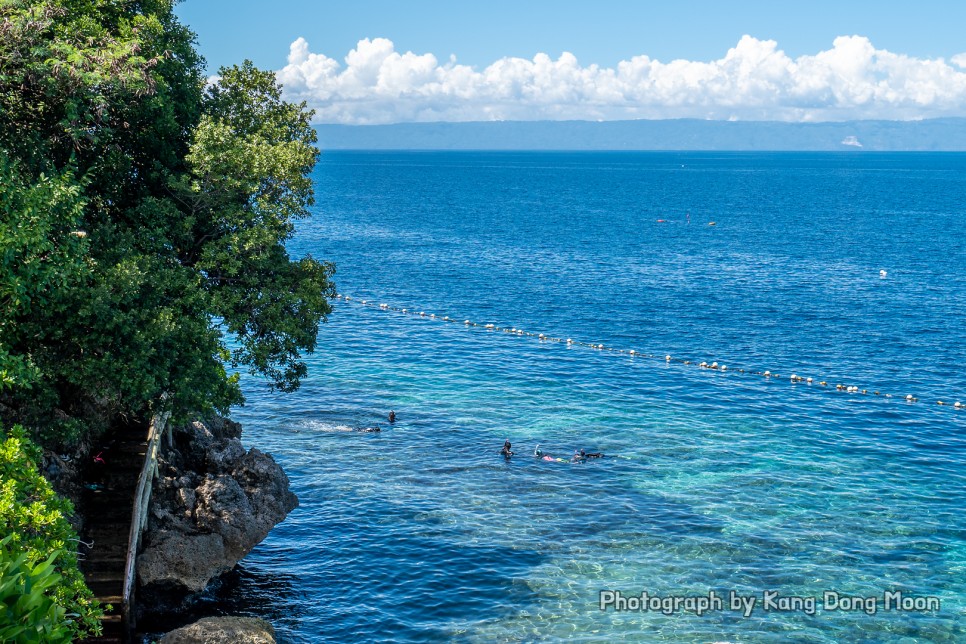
x=173, y=560
x=211, y=504
x=222, y=455
x=216, y=630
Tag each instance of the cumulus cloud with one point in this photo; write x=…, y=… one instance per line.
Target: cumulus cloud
x=755, y=80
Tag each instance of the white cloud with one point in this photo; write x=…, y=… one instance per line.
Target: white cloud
x=755, y=80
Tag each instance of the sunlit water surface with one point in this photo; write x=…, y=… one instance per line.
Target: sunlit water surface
x=713, y=481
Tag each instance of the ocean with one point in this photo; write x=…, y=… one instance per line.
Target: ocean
x=720, y=484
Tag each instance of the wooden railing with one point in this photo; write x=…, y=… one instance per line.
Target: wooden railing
x=142, y=501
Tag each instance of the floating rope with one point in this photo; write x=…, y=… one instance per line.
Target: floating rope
x=668, y=359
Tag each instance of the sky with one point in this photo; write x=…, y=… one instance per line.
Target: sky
x=375, y=61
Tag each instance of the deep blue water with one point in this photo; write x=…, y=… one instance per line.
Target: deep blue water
x=720, y=480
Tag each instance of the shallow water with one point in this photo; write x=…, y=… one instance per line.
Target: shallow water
x=713, y=481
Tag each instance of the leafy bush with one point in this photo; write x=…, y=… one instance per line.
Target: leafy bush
x=43, y=597
x=27, y=612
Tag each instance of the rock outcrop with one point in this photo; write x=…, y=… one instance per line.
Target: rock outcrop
x=212, y=503
x=217, y=630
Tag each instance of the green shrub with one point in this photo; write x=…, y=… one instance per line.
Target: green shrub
x=27, y=611
x=42, y=592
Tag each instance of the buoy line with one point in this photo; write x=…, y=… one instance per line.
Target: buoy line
x=667, y=358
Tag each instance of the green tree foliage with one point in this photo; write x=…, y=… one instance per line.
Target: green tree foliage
x=42, y=258
x=250, y=160
x=154, y=261
x=42, y=593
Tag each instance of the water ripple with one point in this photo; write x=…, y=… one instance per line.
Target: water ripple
x=712, y=481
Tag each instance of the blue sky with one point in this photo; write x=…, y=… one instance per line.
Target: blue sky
x=600, y=35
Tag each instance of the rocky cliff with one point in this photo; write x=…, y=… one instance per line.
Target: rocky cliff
x=212, y=502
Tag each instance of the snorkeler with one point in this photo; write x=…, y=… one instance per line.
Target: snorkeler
x=539, y=453
x=581, y=456
x=506, y=451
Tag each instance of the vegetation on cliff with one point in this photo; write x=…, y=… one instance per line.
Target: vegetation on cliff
x=143, y=218
x=42, y=593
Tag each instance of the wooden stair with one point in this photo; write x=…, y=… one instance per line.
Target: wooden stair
x=108, y=509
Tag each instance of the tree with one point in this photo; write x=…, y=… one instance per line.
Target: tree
x=166, y=208
x=43, y=257
x=249, y=161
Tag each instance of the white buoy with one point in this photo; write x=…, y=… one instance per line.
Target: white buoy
x=667, y=358
x=882, y=273
x=714, y=365
x=724, y=367
x=808, y=380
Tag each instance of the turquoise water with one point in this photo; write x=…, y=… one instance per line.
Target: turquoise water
x=714, y=481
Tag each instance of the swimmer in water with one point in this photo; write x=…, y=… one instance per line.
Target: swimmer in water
x=392, y=416
x=539, y=453
x=506, y=451
x=581, y=456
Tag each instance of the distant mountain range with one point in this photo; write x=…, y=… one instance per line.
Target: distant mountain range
x=946, y=134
